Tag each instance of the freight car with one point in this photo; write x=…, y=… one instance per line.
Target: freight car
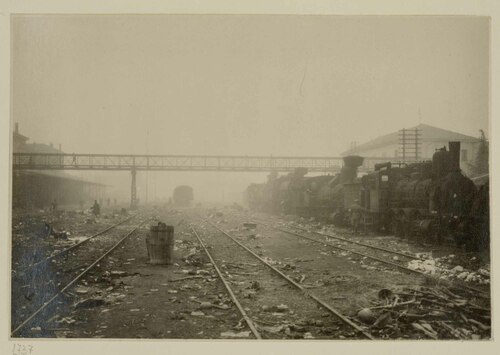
x=183, y=196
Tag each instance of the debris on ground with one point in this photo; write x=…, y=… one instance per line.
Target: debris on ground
x=281, y=308
x=193, y=258
x=51, y=231
x=255, y=285
x=66, y=320
x=308, y=336
x=82, y=290
x=250, y=225
x=90, y=303
x=36, y=330
x=210, y=305
x=186, y=278
x=117, y=273
x=442, y=268
x=229, y=334
x=423, y=312
x=366, y=316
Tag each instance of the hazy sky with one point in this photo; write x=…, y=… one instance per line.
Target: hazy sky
x=245, y=85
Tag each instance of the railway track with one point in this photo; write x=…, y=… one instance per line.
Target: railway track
x=341, y=323
x=23, y=272
x=35, y=310
x=341, y=244
x=238, y=305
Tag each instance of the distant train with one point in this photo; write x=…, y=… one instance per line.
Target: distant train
x=183, y=196
x=431, y=200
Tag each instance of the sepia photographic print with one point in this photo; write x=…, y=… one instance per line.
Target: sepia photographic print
x=250, y=177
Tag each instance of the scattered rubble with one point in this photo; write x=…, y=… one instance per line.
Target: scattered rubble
x=440, y=267
x=90, y=303
x=422, y=312
x=51, y=231
x=281, y=308
x=232, y=335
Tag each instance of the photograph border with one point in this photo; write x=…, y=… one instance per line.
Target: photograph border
x=258, y=7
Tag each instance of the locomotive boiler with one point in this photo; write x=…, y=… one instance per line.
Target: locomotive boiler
x=430, y=200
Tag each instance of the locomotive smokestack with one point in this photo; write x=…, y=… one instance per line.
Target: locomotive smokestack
x=454, y=156
x=350, y=169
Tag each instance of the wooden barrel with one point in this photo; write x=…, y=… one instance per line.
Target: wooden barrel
x=160, y=244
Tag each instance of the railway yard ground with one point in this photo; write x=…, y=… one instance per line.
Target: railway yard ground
x=236, y=274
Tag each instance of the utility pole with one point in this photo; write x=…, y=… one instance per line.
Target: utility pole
x=403, y=143
x=133, y=190
x=147, y=171
x=416, y=143
x=409, y=143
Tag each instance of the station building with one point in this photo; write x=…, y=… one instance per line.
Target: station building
x=39, y=189
x=430, y=139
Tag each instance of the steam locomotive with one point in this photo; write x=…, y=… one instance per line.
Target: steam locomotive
x=431, y=200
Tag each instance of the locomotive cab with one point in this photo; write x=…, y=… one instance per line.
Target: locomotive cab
x=374, y=197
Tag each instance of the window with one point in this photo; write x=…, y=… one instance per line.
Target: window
x=463, y=155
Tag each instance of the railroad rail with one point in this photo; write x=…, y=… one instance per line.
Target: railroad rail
x=248, y=320
x=39, y=310
x=406, y=255
x=73, y=247
x=395, y=252
x=298, y=286
x=477, y=291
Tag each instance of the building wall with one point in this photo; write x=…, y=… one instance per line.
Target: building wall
x=467, y=155
x=388, y=151
x=32, y=190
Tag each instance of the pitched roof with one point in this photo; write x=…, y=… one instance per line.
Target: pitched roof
x=19, y=136
x=428, y=134
x=38, y=148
